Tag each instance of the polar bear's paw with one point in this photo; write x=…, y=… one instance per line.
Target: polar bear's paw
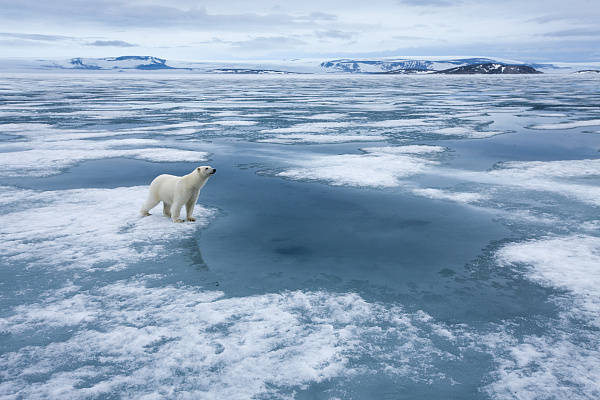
x=191, y=219
x=178, y=220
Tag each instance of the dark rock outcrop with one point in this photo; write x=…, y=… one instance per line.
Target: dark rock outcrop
x=490, y=68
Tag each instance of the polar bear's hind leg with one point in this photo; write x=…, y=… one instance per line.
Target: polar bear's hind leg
x=149, y=205
x=167, y=209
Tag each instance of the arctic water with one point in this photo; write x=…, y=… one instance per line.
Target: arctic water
x=364, y=237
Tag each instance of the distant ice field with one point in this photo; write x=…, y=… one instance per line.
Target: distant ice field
x=364, y=237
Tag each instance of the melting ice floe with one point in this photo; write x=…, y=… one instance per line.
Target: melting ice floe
x=327, y=116
x=387, y=166
x=305, y=127
x=569, y=125
x=376, y=167
x=48, y=161
x=563, y=363
x=47, y=150
x=397, y=123
x=225, y=122
x=36, y=133
x=547, y=176
x=85, y=228
x=460, y=197
x=559, y=169
x=409, y=149
x=542, y=176
x=466, y=132
x=182, y=341
x=559, y=365
x=308, y=138
x=318, y=127
x=570, y=263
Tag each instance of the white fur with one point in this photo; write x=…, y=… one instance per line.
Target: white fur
x=175, y=191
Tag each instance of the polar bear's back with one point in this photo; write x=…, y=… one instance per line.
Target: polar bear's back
x=163, y=187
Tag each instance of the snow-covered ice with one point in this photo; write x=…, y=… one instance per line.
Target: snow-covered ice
x=316, y=138
x=86, y=228
x=375, y=167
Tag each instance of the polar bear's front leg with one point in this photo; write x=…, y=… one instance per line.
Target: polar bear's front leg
x=175, y=211
x=179, y=198
x=189, y=208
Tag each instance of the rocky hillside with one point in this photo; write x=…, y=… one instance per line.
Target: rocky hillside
x=399, y=65
x=490, y=68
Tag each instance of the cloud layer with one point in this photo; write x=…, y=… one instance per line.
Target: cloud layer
x=266, y=29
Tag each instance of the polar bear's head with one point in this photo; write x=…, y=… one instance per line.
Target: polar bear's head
x=206, y=170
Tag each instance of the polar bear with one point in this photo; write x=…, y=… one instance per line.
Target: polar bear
x=175, y=191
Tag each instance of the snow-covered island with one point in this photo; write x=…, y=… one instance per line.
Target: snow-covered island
x=114, y=63
x=387, y=65
x=456, y=65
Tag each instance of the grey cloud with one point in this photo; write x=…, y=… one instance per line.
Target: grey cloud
x=575, y=32
x=542, y=51
x=319, y=16
x=35, y=36
x=429, y=3
x=113, y=43
x=549, y=18
x=18, y=43
x=123, y=14
x=268, y=43
x=408, y=37
x=334, y=34
x=572, y=17
x=35, y=39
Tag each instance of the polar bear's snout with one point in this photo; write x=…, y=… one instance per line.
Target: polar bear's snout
x=206, y=170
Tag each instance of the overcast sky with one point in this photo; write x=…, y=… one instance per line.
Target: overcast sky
x=528, y=30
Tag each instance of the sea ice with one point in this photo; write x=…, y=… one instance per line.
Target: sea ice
x=184, y=341
x=331, y=138
x=459, y=197
x=48, y=150
x=562, y=363
x=376, y=167
x=569, y=125
x=571, y=263
x=85, y=228
x=466, y=132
